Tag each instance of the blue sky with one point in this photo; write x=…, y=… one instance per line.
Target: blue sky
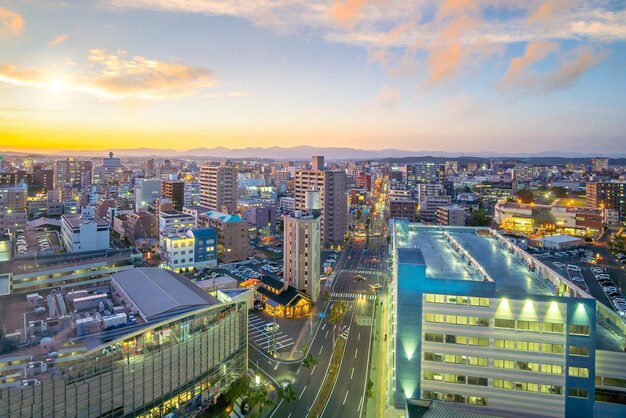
x=454, y=75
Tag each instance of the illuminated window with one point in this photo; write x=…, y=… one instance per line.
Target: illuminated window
x=552, y=327
x=455, y=358
x=478, y=361
x=456, y=319
x=456, y=339
x=504, y=323
x=551, y=389
x=433, y=318
x=478, y=322
x=528, y=346
x=452, y=397
x=453, y=378
x=506, y=344
x=503, y=384
x=552, y=348
x=528, y=326
x=579, y=329
x=527, y=387
x=578, y=371
x=503, y=364
x=477, y=400
x=433, y=357
x=458, y=300
x=552, y=368
x=433, y=376
x=435, y=298
x=578, y=393
x=527, y=366
x=429, y=394
x=475, y=301
x=479, y=341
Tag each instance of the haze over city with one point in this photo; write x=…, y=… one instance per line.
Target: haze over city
x=455, y=76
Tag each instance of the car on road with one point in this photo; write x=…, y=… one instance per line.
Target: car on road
x=376, y=286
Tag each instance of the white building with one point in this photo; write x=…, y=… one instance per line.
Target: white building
x=190, y=249
x=147, y=191
x=84, y=232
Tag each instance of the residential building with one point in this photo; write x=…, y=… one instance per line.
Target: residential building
x=429, y=204
x=523, y=172
x=451, y=215
x=76, y=173
x=175, y=191
x=501, y=333
x=332, y=187
x=173, y=221
x=140, y=225
x=192, y=193
x=403, y=208
x=232, y=235
x=84, y=232
x=301, y=250
x=423, y=173
x=261, y=217
x=13, y=207
x=218, y=188
x=165, y=348
x=190, y=249
x=607, y=195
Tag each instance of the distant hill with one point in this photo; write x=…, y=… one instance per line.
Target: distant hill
x=300, y=153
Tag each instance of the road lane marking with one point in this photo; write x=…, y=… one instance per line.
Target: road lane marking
x=358, y=338
x=313, y=371
x=360, y=405
x=298, y=372
x=352, y=373
x=302, y=393
x=356, y=352
x=345, y=397
x=322, y=347
x=326, y=336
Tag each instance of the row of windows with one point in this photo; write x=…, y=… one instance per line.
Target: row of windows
x=457, y=320
x=578, y=371
x=457, y=359
x=452, y=397
x=456, y=300
x=578, y=393
x=456, y=378
x=500, y=343
x=499, y=363
x=533, y=326
x=527, y=386
x=528, y=366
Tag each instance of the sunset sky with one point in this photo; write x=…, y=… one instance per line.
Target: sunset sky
x=456, y=75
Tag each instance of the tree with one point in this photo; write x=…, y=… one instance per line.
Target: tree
x=336, y=316
x=370, y=388
x=239, y=388
x=287, y=394
x=258, y=398
x=479, y=218
x=558, y=191
x=309, y=362
x=526, y=196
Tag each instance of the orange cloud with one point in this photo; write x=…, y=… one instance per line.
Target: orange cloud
x=549, y=9
x=11, y=23
x=388, y=98
x=346, y=12
x=58, y=40
x=519, y=76
x=142, y=78
x=457, y=7
x=535, y=52
x=33, y=77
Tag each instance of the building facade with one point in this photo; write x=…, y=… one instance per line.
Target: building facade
x=301, y=255
x=84, y=232
x=218, y=188
x=233, y=240
x=607, y=195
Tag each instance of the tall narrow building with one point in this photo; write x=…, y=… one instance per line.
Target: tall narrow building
x=331, y=185
x=302, y=238
x=175, y=191
x=218, y=188
x=78, y=173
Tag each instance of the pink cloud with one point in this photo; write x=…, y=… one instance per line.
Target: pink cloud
x=346, y=12
x=58, y=40
x=11, y=23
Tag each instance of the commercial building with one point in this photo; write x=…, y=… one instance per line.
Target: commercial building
x=35, y=272
x=599, y=165
x=423, y=173
x=84, y=232
x=429, y=204
x=190, y=249
x=232, y=235
x=76, y=173
x=175, y=191
x=523, y=173
x=561, y=242
x=140, y=225
x=218, y=188
x=403, y=208
x=607, y=195
x=159, y=345
x=331, y=185
x=479, y=323
x=110, y=171
x=147, y=191
x=526, y=218
x=451, y=216
x=302, y=246
x=172, y=221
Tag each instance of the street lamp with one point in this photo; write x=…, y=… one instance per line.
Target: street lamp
x=257, y=380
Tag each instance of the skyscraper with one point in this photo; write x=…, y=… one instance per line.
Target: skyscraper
x=78, y=173
x=334, y=202
x=218, y=188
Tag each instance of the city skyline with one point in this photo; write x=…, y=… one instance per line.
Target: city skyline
x=461, y=76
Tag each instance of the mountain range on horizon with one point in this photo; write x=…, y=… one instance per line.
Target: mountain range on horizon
x=305, y=153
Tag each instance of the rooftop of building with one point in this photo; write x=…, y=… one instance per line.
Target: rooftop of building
x=561, y=238
x=76, y=220
x=223, y=217
x=156, y=291
x=171, y=214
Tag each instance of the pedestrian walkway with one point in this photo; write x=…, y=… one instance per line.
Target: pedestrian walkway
x=351, y=296
x=259, y=336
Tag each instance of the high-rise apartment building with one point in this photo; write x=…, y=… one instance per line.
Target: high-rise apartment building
x=218, y=188
x=423, y=172
x=607, y=195
x=334, y=201
x=302, y=239
x=523, y=172
x=78, y=173
x=175, y=191
x=12, y=207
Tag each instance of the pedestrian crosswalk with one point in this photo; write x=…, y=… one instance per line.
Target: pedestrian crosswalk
x=259, y=336
x=352, y=296
x=361, y=271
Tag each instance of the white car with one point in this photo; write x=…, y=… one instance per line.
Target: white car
x=559, y=265
x=608, y=289
x=573, y=267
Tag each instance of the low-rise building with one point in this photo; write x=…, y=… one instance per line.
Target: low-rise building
x=190, y=249
x=451, y=215
x=232, y=235
x=403, y=208
x=84, y=232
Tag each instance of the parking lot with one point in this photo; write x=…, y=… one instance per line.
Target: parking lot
x=596, y=280
x=262, y=338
